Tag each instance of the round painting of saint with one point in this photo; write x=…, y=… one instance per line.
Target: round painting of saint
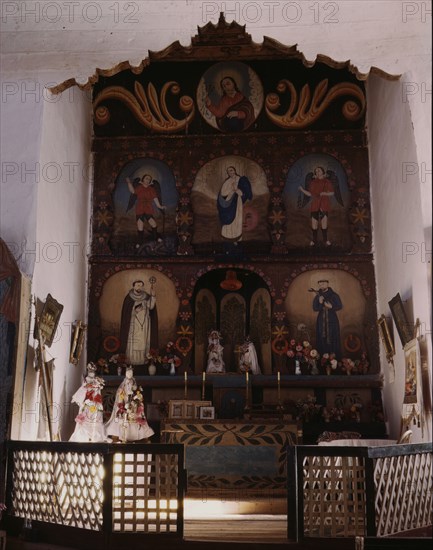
x=230, y=96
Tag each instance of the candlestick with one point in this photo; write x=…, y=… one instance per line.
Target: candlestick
x=186, y=384
x=246, y=390
x=279, y=387
x=203, y=386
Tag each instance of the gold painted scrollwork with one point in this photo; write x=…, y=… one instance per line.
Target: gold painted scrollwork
x=148, y=109
x=303, y=112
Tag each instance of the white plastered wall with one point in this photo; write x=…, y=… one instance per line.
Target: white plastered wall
x=70, y=42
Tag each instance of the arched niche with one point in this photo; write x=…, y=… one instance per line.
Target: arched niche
x=118, y=286
x=351, y=317
x=236, y=302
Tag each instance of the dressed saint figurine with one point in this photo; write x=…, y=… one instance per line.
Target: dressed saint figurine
x=248, y=361
x=128, y=420
x=89, y=421
x=215, y=362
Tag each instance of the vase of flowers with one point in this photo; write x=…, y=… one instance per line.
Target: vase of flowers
x=153, y=360
x=328, y=363
x=300, y=359
x=171, y=361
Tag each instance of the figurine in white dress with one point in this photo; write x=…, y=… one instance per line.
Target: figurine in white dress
x=248, y=361
x=215, y=362
x=128, y=420
x=89, y=421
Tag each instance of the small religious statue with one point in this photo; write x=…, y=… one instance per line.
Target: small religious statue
x=170, y=360
x=89, y=421
x=248, y=360
x=215, y=362
x=128, y=420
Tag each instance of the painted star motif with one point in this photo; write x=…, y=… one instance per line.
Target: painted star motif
x=185, y=330
x=359, y=215
x=279, y=331
x=277, y=216
x=184, y=217
x=104, y=217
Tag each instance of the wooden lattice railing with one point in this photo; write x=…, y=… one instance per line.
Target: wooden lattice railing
x=132, y=488
x=360, y=491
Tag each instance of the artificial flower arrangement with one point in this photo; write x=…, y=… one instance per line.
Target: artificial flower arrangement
x=307, y=409
x=355, y=366
x=328, y=363
x=304, y=356
x=170, y=359
x=153, y=356
x=117, y=361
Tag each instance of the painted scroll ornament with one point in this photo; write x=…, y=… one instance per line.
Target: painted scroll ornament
x=150, y=110
x=305, y=111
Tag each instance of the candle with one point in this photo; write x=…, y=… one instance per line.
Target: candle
x=203, y=385
x=186, y=384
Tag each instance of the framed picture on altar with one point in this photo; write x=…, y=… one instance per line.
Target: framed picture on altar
x=207, y=413
x=175, y=409
x=199, y=405
x=189, y=409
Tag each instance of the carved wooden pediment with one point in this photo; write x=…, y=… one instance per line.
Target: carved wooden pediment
x=222, y=41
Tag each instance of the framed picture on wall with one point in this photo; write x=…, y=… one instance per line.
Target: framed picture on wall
x=77, y=341
x=404, y=329
x=386, y=338
x=49, y=320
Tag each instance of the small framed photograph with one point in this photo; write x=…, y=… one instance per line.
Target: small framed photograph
x=386, y=338
x=199, y=405
x=48, y=321
x=189, y=409
x=77, y=341
x=175, y=409
x=207, y=413
x=404, y=329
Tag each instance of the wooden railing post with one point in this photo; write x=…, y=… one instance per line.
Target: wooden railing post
x=107, y=488
x=292, y=494
x=370, y=497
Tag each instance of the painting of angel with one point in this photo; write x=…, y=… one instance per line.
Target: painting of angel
x=145, y=200
x=230, y=96
x=319, y=187
x=317, y=201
